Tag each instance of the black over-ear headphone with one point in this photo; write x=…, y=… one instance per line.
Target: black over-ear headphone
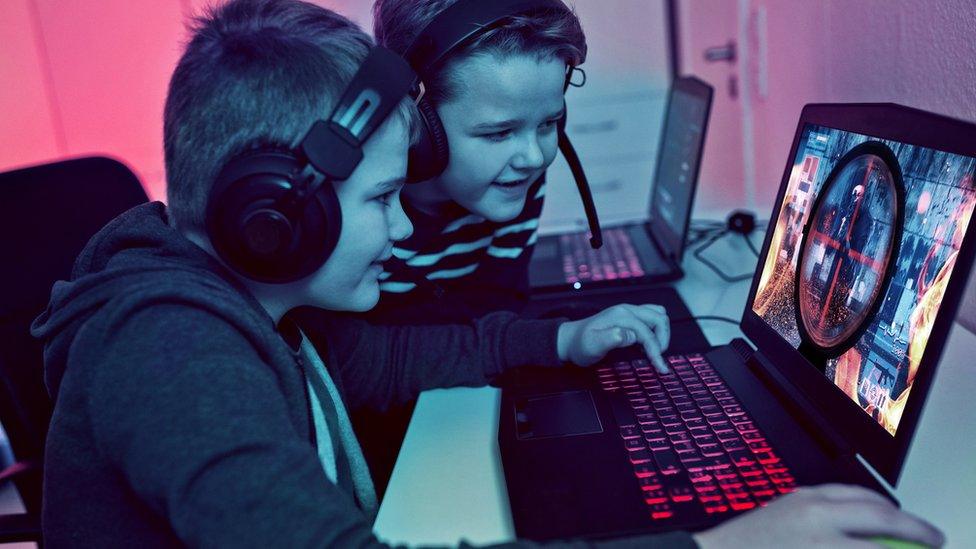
x=272, y=214
x=458, y=25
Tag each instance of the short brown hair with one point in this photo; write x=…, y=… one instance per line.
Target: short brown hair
x=547, y=34
x=254, y=73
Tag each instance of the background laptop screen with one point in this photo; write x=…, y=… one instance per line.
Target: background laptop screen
x=674, y=183
x=870, y=279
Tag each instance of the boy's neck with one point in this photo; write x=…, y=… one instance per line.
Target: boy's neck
x=269, y=296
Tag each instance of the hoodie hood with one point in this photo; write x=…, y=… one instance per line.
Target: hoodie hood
x=137, y=260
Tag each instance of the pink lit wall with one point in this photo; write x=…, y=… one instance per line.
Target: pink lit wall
x=91, y=78
x=83, y=77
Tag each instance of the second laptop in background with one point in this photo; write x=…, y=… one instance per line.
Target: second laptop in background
x=641, y=253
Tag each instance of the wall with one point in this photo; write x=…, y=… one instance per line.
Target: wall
x=920, y=54
x=91, y=78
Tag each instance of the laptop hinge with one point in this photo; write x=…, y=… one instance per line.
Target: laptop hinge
x=793, y=399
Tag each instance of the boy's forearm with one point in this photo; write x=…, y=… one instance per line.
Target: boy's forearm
x=383, y=365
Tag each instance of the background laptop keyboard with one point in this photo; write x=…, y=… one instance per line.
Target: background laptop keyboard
x=689, y=440
x=616, y=259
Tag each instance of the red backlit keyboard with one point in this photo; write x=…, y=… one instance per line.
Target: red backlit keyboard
x=616, y=259
x=689, y=440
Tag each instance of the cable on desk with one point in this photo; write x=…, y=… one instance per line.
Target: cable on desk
x=710, y=231
x=751, y=245
x=698, y=255
x=701, y=229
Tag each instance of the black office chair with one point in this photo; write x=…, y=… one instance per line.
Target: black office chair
x=47, y=214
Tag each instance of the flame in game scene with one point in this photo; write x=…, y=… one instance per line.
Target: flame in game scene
x=848, y=371
x=777, y=275
x=922, y=318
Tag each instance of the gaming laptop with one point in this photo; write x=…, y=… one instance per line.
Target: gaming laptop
x=647, y=252
x=862, y=270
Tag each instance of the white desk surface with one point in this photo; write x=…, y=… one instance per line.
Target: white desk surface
x=448, y=483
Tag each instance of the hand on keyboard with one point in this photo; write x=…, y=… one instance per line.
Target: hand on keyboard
x=586, y=341
x=830, y=515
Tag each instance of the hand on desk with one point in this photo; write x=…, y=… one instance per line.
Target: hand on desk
x=587, y=340
x=830, y=515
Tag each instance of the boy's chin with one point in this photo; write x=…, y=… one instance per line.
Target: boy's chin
x=500, y=212
x=365, y=298
x=361, y=299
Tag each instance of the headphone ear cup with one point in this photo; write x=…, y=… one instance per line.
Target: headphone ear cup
x=429, y=156
x=255, y=238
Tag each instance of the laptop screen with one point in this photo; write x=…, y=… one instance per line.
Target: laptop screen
x=863, y=248
x=678, y=161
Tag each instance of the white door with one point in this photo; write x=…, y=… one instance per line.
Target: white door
x=712, y=26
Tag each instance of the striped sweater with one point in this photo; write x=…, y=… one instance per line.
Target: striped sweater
x=481, y=265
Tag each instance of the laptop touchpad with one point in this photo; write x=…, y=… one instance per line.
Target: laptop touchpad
x=564, y=414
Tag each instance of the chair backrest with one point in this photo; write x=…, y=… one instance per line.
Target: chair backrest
x=47, y=214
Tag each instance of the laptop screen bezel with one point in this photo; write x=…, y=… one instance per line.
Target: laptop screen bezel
x=859, y=430
x=672, y=244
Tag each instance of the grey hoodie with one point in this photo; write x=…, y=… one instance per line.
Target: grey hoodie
x=181, y=412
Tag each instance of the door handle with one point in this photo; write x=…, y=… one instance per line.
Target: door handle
x=727, y=52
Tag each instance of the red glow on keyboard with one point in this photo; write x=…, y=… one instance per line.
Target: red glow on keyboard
x=616, y=259
x=691, y=443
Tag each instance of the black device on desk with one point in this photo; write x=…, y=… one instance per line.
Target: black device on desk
x=860, y=276
x=645, y=252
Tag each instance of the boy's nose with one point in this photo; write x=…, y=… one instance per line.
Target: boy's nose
x=529, y=156
x=400, y=226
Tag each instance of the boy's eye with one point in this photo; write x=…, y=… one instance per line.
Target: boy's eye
x=386, y=198
x=498, y=136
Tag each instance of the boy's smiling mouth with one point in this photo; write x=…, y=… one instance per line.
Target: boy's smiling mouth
x=511, y=184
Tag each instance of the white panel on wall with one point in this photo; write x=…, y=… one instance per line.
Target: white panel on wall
x=27, y=130
x=617, y=142
x=615, y=119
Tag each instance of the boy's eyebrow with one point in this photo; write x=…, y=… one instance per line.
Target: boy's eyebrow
x=513, y=121
x=391, y=184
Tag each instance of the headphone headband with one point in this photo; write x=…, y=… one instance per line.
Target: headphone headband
x=334, y=148
x=463, y=21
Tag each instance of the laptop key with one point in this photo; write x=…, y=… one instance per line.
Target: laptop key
x=711, y=450
x=661, y=511
x=681, y=493
x=659, y=443
x=733, y=445
x=742, y=458
x=621, y=410
x=629, y=432
x=653, y=497
x=650, y=484
x=634, y=445
x=645, y=470
x=667, y=461
x=639, y=457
